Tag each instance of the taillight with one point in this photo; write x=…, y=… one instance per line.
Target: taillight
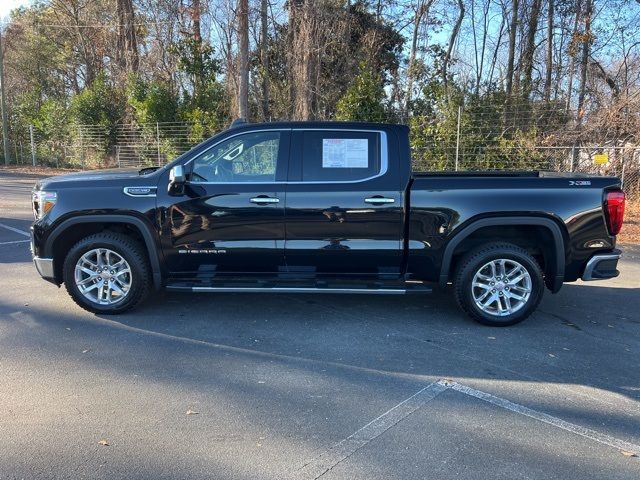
x=614, y=210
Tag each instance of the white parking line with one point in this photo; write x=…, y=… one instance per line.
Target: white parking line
x=546, y=418
x=345, y=448
x=21, y=232
x=14, y=241
x=342, y=450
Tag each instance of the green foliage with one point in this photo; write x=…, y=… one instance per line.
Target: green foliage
x=52, y=120
x=363, y=100
x=98, y=104
x=207, y=112
x=152, y=101
x=196, y=58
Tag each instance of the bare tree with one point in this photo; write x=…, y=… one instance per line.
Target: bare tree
x=574, y=41
x=513, y=28
x=243, y=58
x=549, y=53
x=584, y=62
x=127, y=49
x=529, y=48
x=452, y=41
x=421, y=10
x=264, y=57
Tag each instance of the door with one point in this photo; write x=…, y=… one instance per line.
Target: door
x=230, y=218
x=344, y=211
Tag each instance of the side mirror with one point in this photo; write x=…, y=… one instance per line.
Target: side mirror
x=177, y=180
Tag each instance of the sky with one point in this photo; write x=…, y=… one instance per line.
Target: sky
x=7, y=5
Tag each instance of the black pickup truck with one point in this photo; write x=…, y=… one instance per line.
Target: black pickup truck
x=323, y=207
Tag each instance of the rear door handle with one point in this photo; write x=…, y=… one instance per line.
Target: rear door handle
x=264, y=200
x=379, y=200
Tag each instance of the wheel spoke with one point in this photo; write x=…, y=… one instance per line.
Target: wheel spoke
x=516, y=297
x=114, y=285
x=86, y=280
x=484, y=295
x=507, y=302
x=519, y=277
x=88, y=271
x=492, y=299
x=88, y=289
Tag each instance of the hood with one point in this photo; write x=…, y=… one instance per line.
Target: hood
x=88, y=178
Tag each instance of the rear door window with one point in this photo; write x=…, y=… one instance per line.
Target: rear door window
x=339, y=156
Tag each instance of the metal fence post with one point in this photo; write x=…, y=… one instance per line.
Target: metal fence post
x=118, y=155
x=573, y=158
x=33, y=146
x=458, y=136
x=81, y=148
x=158, y=140
x=623, y=172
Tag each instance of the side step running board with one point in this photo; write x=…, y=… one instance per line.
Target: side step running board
x=368, y=291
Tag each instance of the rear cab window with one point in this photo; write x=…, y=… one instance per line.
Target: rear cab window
x=340, y=155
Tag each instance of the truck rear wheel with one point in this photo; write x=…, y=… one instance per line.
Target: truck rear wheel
x=106, y=273
x=498, y=284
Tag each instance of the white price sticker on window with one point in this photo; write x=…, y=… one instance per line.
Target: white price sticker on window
x=345, y=153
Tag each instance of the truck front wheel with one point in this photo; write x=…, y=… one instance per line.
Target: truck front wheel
x=106, y=273
x=498, y=284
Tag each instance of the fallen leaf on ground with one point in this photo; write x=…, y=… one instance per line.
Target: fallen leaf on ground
x=85, y=351
x=628, y=454
x=191, y=412
x=104, y=443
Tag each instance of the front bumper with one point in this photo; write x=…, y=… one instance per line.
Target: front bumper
x=45, y=267
x=602, y=266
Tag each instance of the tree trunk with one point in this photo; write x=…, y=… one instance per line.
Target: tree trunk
x=452, y=41
x=572, y=47
x=243, y=58
x=127, y=48
x=529, y=49
x=549, y=59
x=584, y=61
x=264, y=59
x=513, y=27
x=421, y=12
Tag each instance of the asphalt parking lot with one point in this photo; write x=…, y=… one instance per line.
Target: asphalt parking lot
x=261, y=386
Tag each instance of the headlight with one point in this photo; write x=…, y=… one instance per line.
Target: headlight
x=43, y=202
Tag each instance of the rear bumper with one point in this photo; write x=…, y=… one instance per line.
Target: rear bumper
x=602, y=266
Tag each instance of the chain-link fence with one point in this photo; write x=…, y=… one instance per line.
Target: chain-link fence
x=471, y=144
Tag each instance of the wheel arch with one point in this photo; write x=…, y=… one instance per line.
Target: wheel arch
x=555, y=263
x=97, y=223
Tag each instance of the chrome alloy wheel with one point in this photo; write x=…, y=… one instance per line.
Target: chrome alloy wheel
x=501, y=287
x=103, y=276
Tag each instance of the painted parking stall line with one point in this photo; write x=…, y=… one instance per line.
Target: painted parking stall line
x=348, y=446
x=14, y=241
x=546, y=418
x=342, y=450
x=15, y=230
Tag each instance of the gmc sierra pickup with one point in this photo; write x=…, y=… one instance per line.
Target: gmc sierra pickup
x=323, y=207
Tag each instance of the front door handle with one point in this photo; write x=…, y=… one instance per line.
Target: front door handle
x=264, y=200
x=379, y=200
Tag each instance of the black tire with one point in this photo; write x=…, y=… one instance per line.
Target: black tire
x=473, y=261
x=129, y=249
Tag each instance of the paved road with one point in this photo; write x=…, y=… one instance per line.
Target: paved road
x=304, y=386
